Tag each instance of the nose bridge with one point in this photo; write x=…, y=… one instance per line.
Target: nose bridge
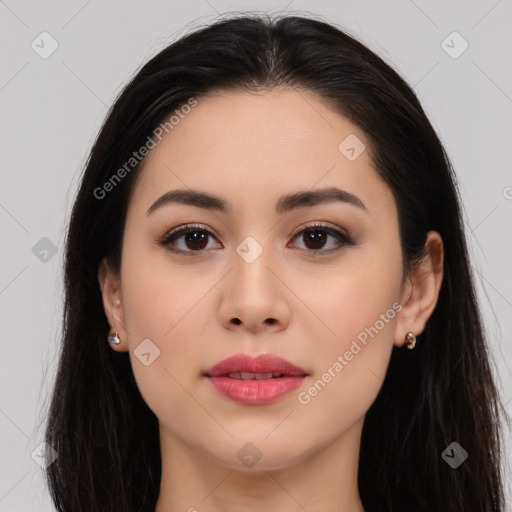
x=253, y=285
x=251, y=259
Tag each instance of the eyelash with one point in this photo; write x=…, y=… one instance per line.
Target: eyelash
x=173, y=235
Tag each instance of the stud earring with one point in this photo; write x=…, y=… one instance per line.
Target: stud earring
x=113, y=339
x=410, y=340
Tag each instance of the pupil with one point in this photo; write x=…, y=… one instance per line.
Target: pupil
x=190, y=237
x=317, y=240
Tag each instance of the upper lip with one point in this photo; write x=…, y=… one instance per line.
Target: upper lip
x=263, y=363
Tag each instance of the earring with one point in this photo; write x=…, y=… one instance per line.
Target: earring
x=113, y=339
x=410, y=340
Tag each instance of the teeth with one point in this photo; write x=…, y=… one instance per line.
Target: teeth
x=253, y=376
x=248, y=375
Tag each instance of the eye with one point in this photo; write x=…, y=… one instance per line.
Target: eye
x=315, y=236
x=195, y=239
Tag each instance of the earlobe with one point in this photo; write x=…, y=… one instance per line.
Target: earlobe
x=422, y=290
x=109, y=283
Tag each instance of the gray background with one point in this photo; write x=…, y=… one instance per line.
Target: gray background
x=51, y=110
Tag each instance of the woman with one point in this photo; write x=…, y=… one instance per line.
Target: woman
x=266, y=221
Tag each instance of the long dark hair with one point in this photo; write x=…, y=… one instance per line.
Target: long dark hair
x=441, y=392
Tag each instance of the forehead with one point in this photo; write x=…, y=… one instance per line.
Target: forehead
x=247, y=145
x=280, y=124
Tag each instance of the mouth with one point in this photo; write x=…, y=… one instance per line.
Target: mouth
x=257, y=380
x=262, y=367
x=254, y=376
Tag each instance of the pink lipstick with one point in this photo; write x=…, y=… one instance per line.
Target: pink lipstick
x=255, y=380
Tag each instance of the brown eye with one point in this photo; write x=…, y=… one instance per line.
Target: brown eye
x=190, y=240
x=194, y=239
x=316, y=236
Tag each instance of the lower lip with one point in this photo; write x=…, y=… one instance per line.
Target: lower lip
x=255, y=392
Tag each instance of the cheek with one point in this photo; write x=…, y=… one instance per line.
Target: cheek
x=157, y=297
x=155, y=307
x=354, y=298
x=358, y=310
x=351, y=365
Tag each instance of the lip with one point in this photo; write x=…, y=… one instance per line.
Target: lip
x=263, y=363
x=255, y=392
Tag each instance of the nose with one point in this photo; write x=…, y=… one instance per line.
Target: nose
x=253, y=297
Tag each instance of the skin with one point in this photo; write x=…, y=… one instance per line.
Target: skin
x=250, y=149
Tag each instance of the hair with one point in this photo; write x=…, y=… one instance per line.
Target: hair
x=107, y=438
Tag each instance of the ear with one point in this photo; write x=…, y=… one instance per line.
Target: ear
x=421, y=291
x=110, y=286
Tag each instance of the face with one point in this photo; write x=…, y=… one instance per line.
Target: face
x=315, y=282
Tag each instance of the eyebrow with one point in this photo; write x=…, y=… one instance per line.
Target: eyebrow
x=285, y=203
